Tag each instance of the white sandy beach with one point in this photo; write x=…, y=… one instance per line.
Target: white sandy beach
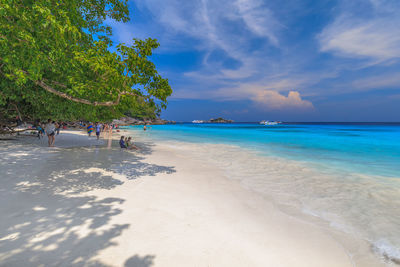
x=82, y=204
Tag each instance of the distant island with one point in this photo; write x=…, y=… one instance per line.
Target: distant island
x=220, y=120
x=125, y=121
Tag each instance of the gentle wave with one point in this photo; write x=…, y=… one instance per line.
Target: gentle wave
x=363, y=206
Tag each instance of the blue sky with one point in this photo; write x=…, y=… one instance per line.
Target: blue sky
x=290, y=60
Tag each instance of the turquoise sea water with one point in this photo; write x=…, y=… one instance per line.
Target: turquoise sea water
x=344, y=176
x=364, y=148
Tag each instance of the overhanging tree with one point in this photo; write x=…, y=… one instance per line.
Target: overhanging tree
x=57, y=57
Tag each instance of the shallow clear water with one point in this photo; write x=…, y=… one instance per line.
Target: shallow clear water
x=347, y=175
x=373, y=149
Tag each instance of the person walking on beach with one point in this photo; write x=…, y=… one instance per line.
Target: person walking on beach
x=58, y=127
x=50, y=131
x=42, y=127
x=98, y=130
x=39, y=128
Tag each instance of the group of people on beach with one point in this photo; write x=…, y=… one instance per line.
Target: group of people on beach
x=41, y=127
x=52, y=128
x=98, y=128
x=126, y=142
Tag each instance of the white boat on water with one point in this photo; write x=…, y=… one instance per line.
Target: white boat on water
x=270, y=122
x=197, y=121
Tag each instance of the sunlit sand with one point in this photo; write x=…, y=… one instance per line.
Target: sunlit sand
x=84, y=204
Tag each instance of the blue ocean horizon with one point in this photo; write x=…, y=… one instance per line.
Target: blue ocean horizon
x=364, y=147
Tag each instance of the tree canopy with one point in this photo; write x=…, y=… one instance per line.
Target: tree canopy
x=57, y=59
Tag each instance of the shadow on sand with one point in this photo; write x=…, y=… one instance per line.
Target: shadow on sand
x=137, y=261
x=45, y=218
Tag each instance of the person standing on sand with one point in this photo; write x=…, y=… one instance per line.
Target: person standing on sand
x=90, y=129
x=98, y=130
x=39, y=128
x=42, y=126
x=58, y=127
x=50, y=131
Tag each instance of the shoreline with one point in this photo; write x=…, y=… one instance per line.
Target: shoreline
x=364, y=250
x=160, y=205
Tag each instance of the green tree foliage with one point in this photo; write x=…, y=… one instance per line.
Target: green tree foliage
x=143, y=111
x=57, y=59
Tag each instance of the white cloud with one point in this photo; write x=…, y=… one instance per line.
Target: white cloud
x=376, y=37
x=268, y=62
x=273, y=100
x=258, y=19
x=210, y=23
x=265, y=94
x=206, y=19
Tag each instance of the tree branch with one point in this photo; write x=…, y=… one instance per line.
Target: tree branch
x=84, y=101
x=80, y=100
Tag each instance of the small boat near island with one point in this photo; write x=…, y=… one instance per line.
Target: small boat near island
x=197, y=121
x=270, y=122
